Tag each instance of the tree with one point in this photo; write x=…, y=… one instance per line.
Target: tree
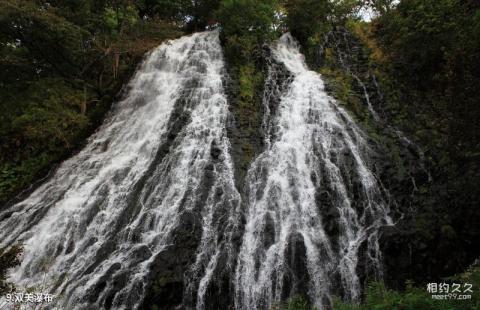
x=305, y=18
x=173, y=10
x=62, y=62
x=203, y=14
x=247, y=17
x=345, y=9
x=381, y=6
x=53, y=44
x=194, y=15
x=246, y=26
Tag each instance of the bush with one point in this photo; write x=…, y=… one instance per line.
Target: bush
x=378, y=297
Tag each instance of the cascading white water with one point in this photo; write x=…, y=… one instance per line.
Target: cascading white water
x=96, y=233
x=92, y=232
x=314, y=151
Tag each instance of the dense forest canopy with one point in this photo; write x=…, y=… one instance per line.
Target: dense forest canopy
x=63, y=63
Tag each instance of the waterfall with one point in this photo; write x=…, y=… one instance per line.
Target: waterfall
x=314, y=206
x=152, y=196
x=353, y=61
x=94, y=231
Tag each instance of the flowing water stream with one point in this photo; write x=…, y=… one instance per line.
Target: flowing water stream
x=92, y=232
x=307, y=221
x=314, y=207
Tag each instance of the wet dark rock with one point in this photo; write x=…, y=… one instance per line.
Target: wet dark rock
x=296, y=280
x=215, y=150
x=93, y=294
x=398, y=163
x=166, y=279
x=220, y=291
x=269, y=232
x=246, y=129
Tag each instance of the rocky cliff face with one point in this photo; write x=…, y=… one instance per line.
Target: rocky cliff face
x=211, y=186
x=421, y=245
x=254, y=131
x=398, y=162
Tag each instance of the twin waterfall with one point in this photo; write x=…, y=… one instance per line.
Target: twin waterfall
x=152, y=198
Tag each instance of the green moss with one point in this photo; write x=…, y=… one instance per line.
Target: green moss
x=341, y=85
x=247, y=111
x=244, y=57
x=247, y=78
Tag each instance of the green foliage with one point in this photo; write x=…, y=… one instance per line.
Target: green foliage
x=8, y=259
x=378, y=297
x=202, y=14
x=48, y=121
x=297, y=303
x=246, y=26
x=346, y=10
x=425, y=56
x=308, y=18
x=440, y=76
x=116, y=19
x=432, y=27
x=342, y=86
x=431, y=75
x=240, y=50
x=382, y=7
x=51, y=114
x=194, y=15
x=62, y=63
x=251, y=18
x=249, y=79
x=167, y=9
x=53, y=43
